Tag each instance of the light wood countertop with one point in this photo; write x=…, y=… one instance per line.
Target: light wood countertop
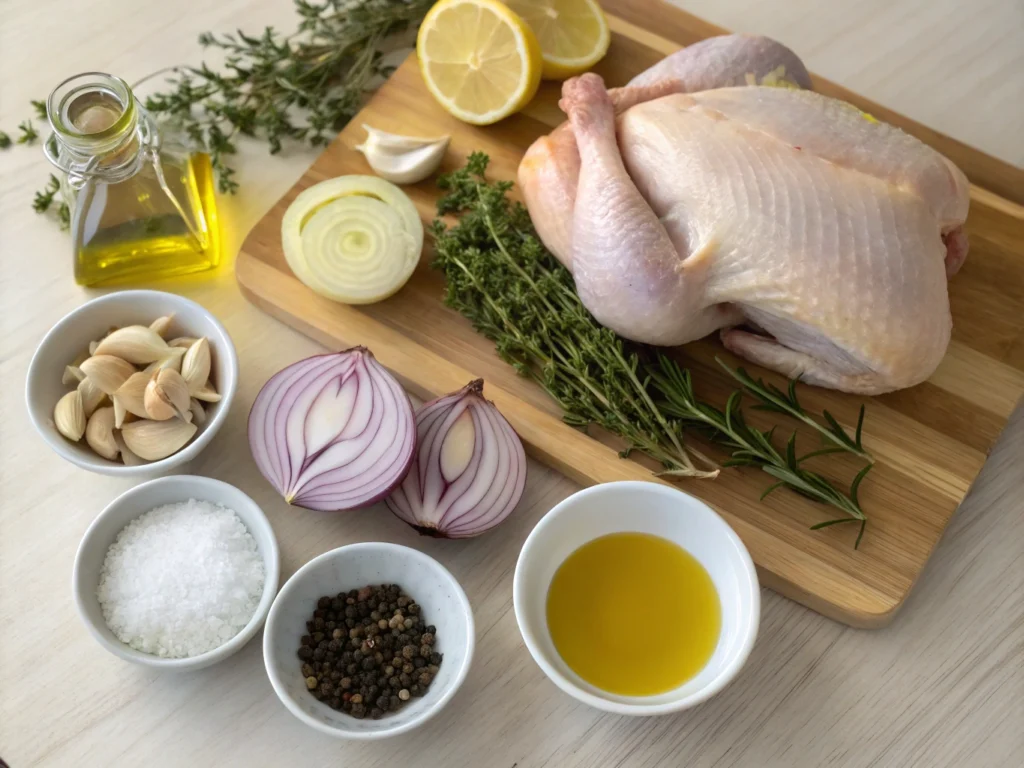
x=943, y=686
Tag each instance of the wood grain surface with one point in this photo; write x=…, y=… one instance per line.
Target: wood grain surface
x=930, y=442
x=941, y=687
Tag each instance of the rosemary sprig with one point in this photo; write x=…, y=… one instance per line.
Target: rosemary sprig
x=5, y=140
x=756, y=448
x=516, y=293
x=775, y=400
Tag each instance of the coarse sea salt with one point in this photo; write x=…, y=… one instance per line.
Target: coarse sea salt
x=181, y=580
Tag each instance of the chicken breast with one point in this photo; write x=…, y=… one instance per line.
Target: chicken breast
x=826, y=232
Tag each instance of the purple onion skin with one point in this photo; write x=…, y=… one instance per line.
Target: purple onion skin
x=408, y=500
x=258, y=425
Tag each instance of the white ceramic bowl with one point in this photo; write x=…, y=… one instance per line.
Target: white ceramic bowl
x=645, y=508
x=70, y=338
x=443, y=603
x=128, y=506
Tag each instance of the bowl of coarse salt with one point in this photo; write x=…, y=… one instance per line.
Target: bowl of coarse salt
x=177, y=573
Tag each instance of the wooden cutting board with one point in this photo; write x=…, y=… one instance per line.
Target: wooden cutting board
x=930, y=441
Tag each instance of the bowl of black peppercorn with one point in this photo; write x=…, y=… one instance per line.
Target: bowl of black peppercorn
x=368, y=640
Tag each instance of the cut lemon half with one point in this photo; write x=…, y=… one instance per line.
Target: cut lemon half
x=478, y=59
x=573, y=34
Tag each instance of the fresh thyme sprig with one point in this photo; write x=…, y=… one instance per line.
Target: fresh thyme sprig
x=515, y=292
x=29, y=134
x=45, y=198
x=775, y=400
x=303, y=87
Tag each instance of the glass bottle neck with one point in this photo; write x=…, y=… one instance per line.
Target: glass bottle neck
x=99, y=130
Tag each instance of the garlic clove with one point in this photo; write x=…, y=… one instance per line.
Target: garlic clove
x=162, y=324
x=99, y=433
x=182, y=341
x=128, y=457
x=93, y=345
x=172, y=360
x=72, y=375
x=92, y=396
x=197, y=411
x=402, y=159
x=395, y=142
x=69, y=416
x=129, y=398
x=207, y=394
x=195, y=368
x=135, y=343
x=107, y=372
x=166, y=395
x=155, y=440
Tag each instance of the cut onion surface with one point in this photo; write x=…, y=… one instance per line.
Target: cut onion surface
x=333, y=432
x=354, y=239
x=469, y=471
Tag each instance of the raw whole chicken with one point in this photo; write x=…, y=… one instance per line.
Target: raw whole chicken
x=703, y=196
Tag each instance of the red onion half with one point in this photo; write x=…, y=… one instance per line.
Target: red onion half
x=333, y=432
x=469, y=471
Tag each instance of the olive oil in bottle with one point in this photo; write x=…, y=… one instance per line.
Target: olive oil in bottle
x=141, y=199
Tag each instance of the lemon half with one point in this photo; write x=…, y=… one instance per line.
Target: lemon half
x=478, y=59
x=573, y=34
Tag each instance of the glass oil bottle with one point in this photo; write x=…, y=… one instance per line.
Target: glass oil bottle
x=141, y=198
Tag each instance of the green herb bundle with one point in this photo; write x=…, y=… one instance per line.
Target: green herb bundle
x=304, y=86
x=500, y=276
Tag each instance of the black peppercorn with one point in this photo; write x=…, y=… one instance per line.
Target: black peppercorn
x=367, y=651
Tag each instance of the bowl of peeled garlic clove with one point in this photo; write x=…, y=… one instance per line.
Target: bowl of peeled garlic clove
x=133, y=384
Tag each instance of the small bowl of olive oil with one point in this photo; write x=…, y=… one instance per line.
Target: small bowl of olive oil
x=636, y=598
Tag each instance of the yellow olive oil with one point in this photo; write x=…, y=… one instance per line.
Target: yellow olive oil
x=134, y=230
x=633, y=614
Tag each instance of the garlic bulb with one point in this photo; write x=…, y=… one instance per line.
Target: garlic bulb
x=402, y=159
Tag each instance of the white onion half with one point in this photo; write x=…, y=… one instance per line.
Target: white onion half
x=469, y=471
x=333, y=432
x=354, y=239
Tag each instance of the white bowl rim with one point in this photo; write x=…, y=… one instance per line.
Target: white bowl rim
x=748, y=579
x=148, y=469
x=357, y=735
x=270, y=582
